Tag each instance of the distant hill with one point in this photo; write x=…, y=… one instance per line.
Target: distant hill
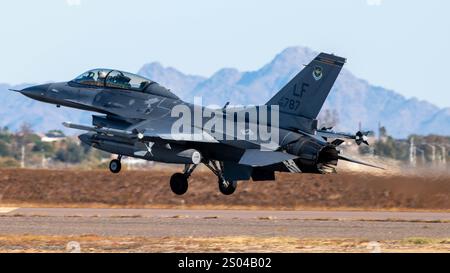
x=354, y=99
x=17, y=109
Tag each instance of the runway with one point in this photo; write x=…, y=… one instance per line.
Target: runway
x=158, y=223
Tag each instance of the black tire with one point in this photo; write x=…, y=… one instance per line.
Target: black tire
x=179, y=183
x=115, y=166
x=227, y=188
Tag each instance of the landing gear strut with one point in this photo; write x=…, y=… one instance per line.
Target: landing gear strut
x=115, y=166
x=179, y=181
x=226, y=187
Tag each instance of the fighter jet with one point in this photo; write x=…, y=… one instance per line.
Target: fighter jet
x=137, y=117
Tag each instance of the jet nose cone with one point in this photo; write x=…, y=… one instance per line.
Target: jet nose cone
x=36, y=92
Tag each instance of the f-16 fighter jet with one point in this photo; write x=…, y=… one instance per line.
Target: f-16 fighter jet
x=137, y=117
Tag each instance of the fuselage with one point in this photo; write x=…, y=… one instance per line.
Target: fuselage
x=133, y=109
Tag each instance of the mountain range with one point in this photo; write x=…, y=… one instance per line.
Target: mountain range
x=354, y=100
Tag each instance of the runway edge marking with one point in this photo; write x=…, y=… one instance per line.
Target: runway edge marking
x=5, y=210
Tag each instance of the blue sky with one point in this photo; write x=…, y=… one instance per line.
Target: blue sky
x=398, y=44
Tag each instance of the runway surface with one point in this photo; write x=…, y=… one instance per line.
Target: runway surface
x=218, y=223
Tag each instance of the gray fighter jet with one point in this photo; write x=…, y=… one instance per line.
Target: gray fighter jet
x=139, y=118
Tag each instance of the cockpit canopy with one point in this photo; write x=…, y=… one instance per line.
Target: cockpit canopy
x=122, y=80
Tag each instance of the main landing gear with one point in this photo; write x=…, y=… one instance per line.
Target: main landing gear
x=179, y=181
x=226, y=187
x=115, y=166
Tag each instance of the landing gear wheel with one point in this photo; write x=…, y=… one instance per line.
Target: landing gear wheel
x=115, y=166
x=227, y=187
x=179, y=183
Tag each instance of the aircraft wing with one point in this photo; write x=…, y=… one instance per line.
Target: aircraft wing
x=162, y=129
x=258, y=158
x=256, y=154
x=243, y=142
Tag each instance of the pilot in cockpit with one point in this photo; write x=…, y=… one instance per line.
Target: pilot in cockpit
x=101, y=76
x=143, y=84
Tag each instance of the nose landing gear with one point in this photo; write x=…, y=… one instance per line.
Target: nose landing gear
x=115, y=165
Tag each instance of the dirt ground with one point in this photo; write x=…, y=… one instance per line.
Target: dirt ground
x=94, y=243
x=290, y=191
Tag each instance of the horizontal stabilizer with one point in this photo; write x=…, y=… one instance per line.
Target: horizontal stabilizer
x=258, y=158
x=341, y=157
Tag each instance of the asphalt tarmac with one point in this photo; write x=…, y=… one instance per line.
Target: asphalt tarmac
x=155, y=223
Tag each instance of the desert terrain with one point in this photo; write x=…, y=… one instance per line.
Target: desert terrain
x=135, y=211
x=150, y=188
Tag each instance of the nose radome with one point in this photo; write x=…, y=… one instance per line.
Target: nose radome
x=36, y=91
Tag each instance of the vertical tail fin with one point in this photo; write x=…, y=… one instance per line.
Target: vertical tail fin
x=305, y=94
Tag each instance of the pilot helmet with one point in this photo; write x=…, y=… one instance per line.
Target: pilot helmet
x=102, y=74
